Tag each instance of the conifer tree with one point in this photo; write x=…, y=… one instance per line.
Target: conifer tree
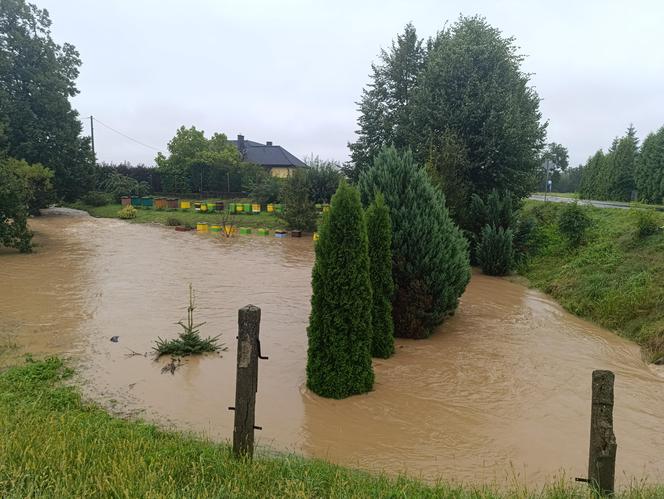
x=649, y=172
x=339, y=355
x=495, y=252
x=430, y=264
x=384, y=113
x=621, y=165
x=379, y=230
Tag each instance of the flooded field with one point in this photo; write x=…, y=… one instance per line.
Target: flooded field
x=501, y=390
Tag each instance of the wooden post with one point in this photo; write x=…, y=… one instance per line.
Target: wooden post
x=602, y=456
x=246, y=380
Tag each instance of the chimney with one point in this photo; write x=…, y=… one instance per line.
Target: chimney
x=240, y=144
x=269, y=143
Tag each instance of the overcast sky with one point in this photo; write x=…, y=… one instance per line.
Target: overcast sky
x=291, y=71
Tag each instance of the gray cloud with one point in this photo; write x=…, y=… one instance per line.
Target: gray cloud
x=291, y=71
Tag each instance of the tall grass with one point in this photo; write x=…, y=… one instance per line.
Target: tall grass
x=615, y=278
x=53, y=444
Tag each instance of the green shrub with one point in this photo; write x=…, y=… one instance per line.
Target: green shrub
x=430, y=255
x=118, y=185
x=127, y=213
x=573, y=223
x=495, y=252
x=498, y=211
x=14, y=202
x=40, y=185
x=339, y=354
x=379, y=231
x=96, y=198
x=524, y=241
x=646, y=222
x=265, y=188
x=299, y=210
x=172, y=221
x=323, y=177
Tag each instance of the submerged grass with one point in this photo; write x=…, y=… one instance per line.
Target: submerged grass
x=54, y=444
x=616, y=278
x=186, y=217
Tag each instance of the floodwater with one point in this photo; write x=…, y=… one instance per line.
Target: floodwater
x=500, y=393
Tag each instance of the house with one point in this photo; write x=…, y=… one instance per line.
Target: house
x=275, y=159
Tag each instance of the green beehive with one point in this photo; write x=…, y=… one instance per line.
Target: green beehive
x=245, y=230
x=263, y=232
x=146, y=202
x=211, y=207
x=231, y=207
x=136, y=201
x=247, y=207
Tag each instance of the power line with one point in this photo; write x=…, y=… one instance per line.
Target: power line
x=124, y=134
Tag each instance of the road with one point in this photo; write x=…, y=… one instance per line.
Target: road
x=591, y=202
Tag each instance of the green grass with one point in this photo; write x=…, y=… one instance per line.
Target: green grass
x=145, y=215
x=615, y=279
x=54, y=444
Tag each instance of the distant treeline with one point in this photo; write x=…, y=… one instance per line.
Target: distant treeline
x=626, y=172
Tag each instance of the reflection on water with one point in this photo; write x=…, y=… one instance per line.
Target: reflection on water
x=503, y=387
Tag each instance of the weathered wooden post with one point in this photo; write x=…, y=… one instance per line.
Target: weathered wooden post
x=246, y=380
x=602, y=457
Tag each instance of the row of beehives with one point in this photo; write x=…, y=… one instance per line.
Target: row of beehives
x=161, y=203
x=229, y=229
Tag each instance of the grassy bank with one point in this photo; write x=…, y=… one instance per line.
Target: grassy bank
x=259, y=220
x=615, y=279
x=54, y=444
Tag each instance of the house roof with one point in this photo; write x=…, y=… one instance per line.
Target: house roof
x=266, y=154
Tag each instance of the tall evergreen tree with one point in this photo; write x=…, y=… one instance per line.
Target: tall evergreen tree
x=37, y=79
x=339, y=355
x=649, y=171
x=621, y=164
x=472, y=88
x=430, y=264
x=384, y=105
x=593, y=183
x=379, y=230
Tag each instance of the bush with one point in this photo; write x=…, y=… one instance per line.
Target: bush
x=118, y=185
x=379, y=232
x=14, y=201
x=265, y=188
x=498, y=211
x=339, y=354
x=40, y=185
x=95, y=198
x=524, y=241
x=127, y=213
x=172, y=221
x=299, y=210
x=573, y=222
x=430, y=255
x=494, y=251
x=646, y=222
x=323, y=178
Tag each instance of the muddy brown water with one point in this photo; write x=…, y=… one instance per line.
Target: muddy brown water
x=499, y=393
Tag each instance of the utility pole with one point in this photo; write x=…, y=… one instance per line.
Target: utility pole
x=92, y=136
x=547, y=165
